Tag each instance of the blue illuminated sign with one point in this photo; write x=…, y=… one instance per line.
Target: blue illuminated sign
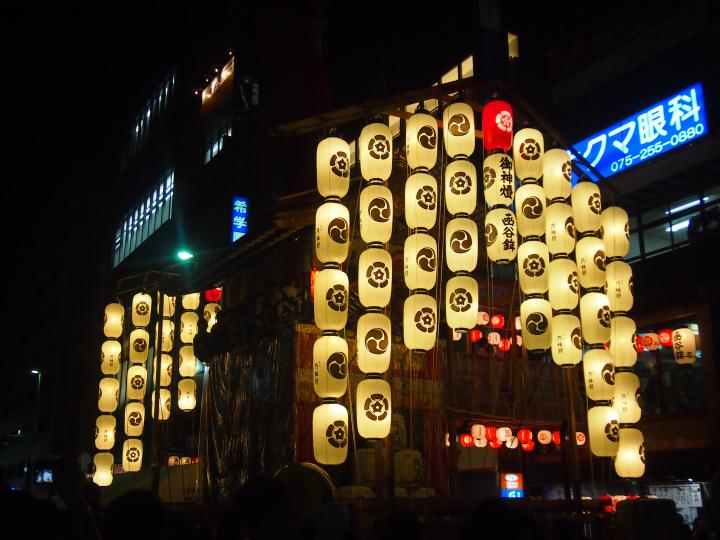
x=512, y=493
x=673, y=122
x=239, y=218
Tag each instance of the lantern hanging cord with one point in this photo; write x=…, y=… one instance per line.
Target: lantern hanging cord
x=351, y=417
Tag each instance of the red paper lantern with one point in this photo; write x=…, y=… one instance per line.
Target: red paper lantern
x=497, y=126
x=313, y=277
x=556, y=437
x=505, y=344
x=528, y=446
x=665, y=337
x=497, y=321
x=639, y=344
x=466, y=440
x=214, y=294
x=495, y=444
x=475, y=335
x=524, y=435
x=491, y=433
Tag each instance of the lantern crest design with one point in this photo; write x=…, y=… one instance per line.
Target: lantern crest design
x=330, y=433
x=497, y=125
x=421, y=141
x=375, y=145
x=459, y=129
x=421, y=201
x=528, y=150
x=141, y=304
x=460, y=187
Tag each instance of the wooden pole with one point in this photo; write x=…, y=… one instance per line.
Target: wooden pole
x=155, y=464
x=570, y=440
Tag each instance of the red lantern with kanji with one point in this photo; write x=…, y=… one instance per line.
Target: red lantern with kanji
x=528, y=446
x=556, y=437
x=497, y=321
x=504, y=344
x=497, y=126
x=466, y=440
x=665, y=337
x=475, y=335
x=524, y=435
x=495, y=444
x=491, y=433
x=214, y=294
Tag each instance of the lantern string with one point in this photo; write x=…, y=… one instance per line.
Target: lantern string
x=351, y=416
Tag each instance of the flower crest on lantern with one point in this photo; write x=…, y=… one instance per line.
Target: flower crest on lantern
x=497, y=125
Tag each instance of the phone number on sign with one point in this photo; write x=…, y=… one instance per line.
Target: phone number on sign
x=677, y=138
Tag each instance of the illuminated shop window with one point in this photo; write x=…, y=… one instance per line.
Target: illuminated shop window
x=513, y=46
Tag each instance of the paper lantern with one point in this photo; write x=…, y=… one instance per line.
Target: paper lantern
x=528, y=446
x=557, y=174
x=419, y=322
x=421, y=261
x=187, y=361
x=210, y=312
x=665, y=337
x=528, y=149
x=105, y=432
x=134, y=419
x=103, y=465
x=108, y=394
x=524, y=435
x=141, y=309
x=599, y=372
x=376, y=151
x=186, y=394
x=536, y=315
x=421, y=201
x=580, y=438
x=639, y=343
x=188, y=326
x=498, y=180
x=185, y=460
x=466, y=440
x=333, y=167
x=505, y=344
x=563, y=284
x=512, y=442
x=475, y=335
x=556, y=438
x=478, y=431
x=615, y=231
x=136, y=382
x=533, y=267
x=459, y=130
x=603, y=430
x=630, y=458
x=650, y=341
x=330, y=366
x=331, y=299
x=461, y=302
x=619, y=286
x=622, y=341
x=501, y=235
x=491, y=433
x=497, y=125
x=587, y=206
x=332, y=227
x=684, y=346
x=139, y=345
x=132, y=453
x=481, y=442
x=113, y=323
x=165, y=404
x=626, y=399
x=173, y=461
x=530, y=210
x=213, y=295
x=503, y=434
x=483, y=318
x=518, y=340
x=191, y=301
x=375, y=277
x=331, y=433
x=374, y=408
x=590, y=257
x=544, y=436
x=376, y=214
x=461, y=245
x=497, y=321
x=421, y=141
x=595, y=318
x=567, y=345
x=559, y=229
x=167, y=337
x=495, y=444
x=110, y=357
x=374, y=343
x=460, y=187
x=493, y=338
x=168, y=306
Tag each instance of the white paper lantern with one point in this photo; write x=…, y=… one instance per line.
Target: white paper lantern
x=493, y=338
x=590, y=257
x=533, y=267
x=630, y=458
x=105, y=432
x=330, y=366
x=461, y=302
x=622, y=341
x=499, y=180
x=512, y=442
x=331, y=299
x=191, y=301
x=563, y=290
x=113, y=322
x=421, y=261
x=567, y=345
x=559, y=229
x=421, y=141
x=544, y=436
x=478, y=431
x=461, y=245
x=459, y=130
x=603, y=431
x=599, y=372
x=536, y=315
x=626, y=398
x=376, y=214
x=187, y=389
x=375, y=277
x=139, y=345
x=132, y=453
x=110, y=357
x=187, y=361
x=141, y=309
x=165, y=404
x=374, y=343
x=619, y=286
x=557, y=174
x=420, y=321
x=168, y=307
x=503, y=434
x=530, y=210
x=595, y=318
x=587, y=206
x=332, y=227
x=134, y=419
x=373, y=408
x=683, y=343
x=421, y=201
x=501, y=235
x=615, y=228
x=103, y=465
x=376, y=152
x=460, y=187
x=331, y=433
x=528, y=150
x=108, y=394
x=210, y=312
x=188, y=326
x=136, y=382
x=333, y=167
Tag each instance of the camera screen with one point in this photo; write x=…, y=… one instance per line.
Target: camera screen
x=44, y=476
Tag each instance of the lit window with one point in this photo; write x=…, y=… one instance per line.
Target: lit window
x=513, y=46
x=466, y=68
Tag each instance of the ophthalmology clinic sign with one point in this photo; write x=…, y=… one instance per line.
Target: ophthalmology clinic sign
x=674, y=121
